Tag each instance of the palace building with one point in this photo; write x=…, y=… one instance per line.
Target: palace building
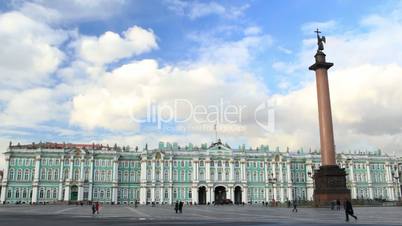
x=54, y=172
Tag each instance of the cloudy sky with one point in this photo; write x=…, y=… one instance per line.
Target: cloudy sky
x=88, y=71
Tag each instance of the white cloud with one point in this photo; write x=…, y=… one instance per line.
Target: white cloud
x=364, y=86
x=198, y=9
x=219, y=71
x=32, y=106
x=59, y=11
x=110, y=47
x=29, y=52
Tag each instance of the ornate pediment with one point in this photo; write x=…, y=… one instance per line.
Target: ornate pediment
x=218, y=148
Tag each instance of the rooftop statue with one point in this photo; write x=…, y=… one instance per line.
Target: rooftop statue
x=320, y=41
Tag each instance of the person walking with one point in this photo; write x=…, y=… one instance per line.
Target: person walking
x=338, y=204
x=97, y=207
x=349, y=210
x=176, y=206
x=93, y=209
x=294, y=206
x=181, y=207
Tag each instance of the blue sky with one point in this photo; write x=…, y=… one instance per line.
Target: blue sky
x=75, y=70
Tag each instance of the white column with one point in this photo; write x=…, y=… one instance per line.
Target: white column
x=370, y=184
x=91, y=179
x=282, y=198
x=60, y=195
x=207, y=170
x=68, y=180
x=245, y=195
x=35, y=183
x=310, y=183
x=353, y=183
x=275, y=180
x=389, y=181
x=81, y=181
x=194, y=194
x=152, y=194
x=143, y=179
x=115, y=183
x=170, y=194
x=243, y=170
x=170, y=171
x=153, y=171
x=231, y=173
x=5, y=178
x=289, y=178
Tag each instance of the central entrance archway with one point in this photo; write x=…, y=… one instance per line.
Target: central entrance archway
x=74, y=193
x=220, y=195
x=237, y=195
x=202, y=195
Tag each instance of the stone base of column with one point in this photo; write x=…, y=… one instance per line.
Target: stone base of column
x=330, y=185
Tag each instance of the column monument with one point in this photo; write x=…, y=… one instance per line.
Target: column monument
x=330, y=179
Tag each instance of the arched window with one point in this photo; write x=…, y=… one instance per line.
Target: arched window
x=24, y=193
x=95, y=193
x=11, y=174
x=26, y=174
x=109, y=175
x=108, y=193
x=132, y=176
x=103, y=175
x=76, y=174
x=9, y=193
x=102, y=193
x=43, y=174
x=166, y=194
x=96, y=175
x=65, y=173
x=54, y=193
x=56, y=174
x=48, y=194
x=86, y=174
x=41, y=193
x=19, y=174
x=17, y=193
x=126, y=176
x=49, y=174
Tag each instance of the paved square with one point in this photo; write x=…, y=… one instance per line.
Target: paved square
x=201, y=215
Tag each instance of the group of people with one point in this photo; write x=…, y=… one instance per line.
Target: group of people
x=95, y=208
x=178, y=207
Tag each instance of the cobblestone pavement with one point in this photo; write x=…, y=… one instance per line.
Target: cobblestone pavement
x=61, y=215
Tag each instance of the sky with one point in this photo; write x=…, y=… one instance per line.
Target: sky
x=140, y=72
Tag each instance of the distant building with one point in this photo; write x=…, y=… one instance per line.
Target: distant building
x=51, y=172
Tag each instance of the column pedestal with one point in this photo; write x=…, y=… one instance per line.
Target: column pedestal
x=330, y=184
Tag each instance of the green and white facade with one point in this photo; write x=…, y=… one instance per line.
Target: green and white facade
x=50, y=172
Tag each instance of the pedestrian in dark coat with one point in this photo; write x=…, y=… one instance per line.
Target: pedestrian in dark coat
x=338, y=204
x=349, y=210
x=294, y=206
x=176, y=206
x=93, y=209
x=181, y=207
